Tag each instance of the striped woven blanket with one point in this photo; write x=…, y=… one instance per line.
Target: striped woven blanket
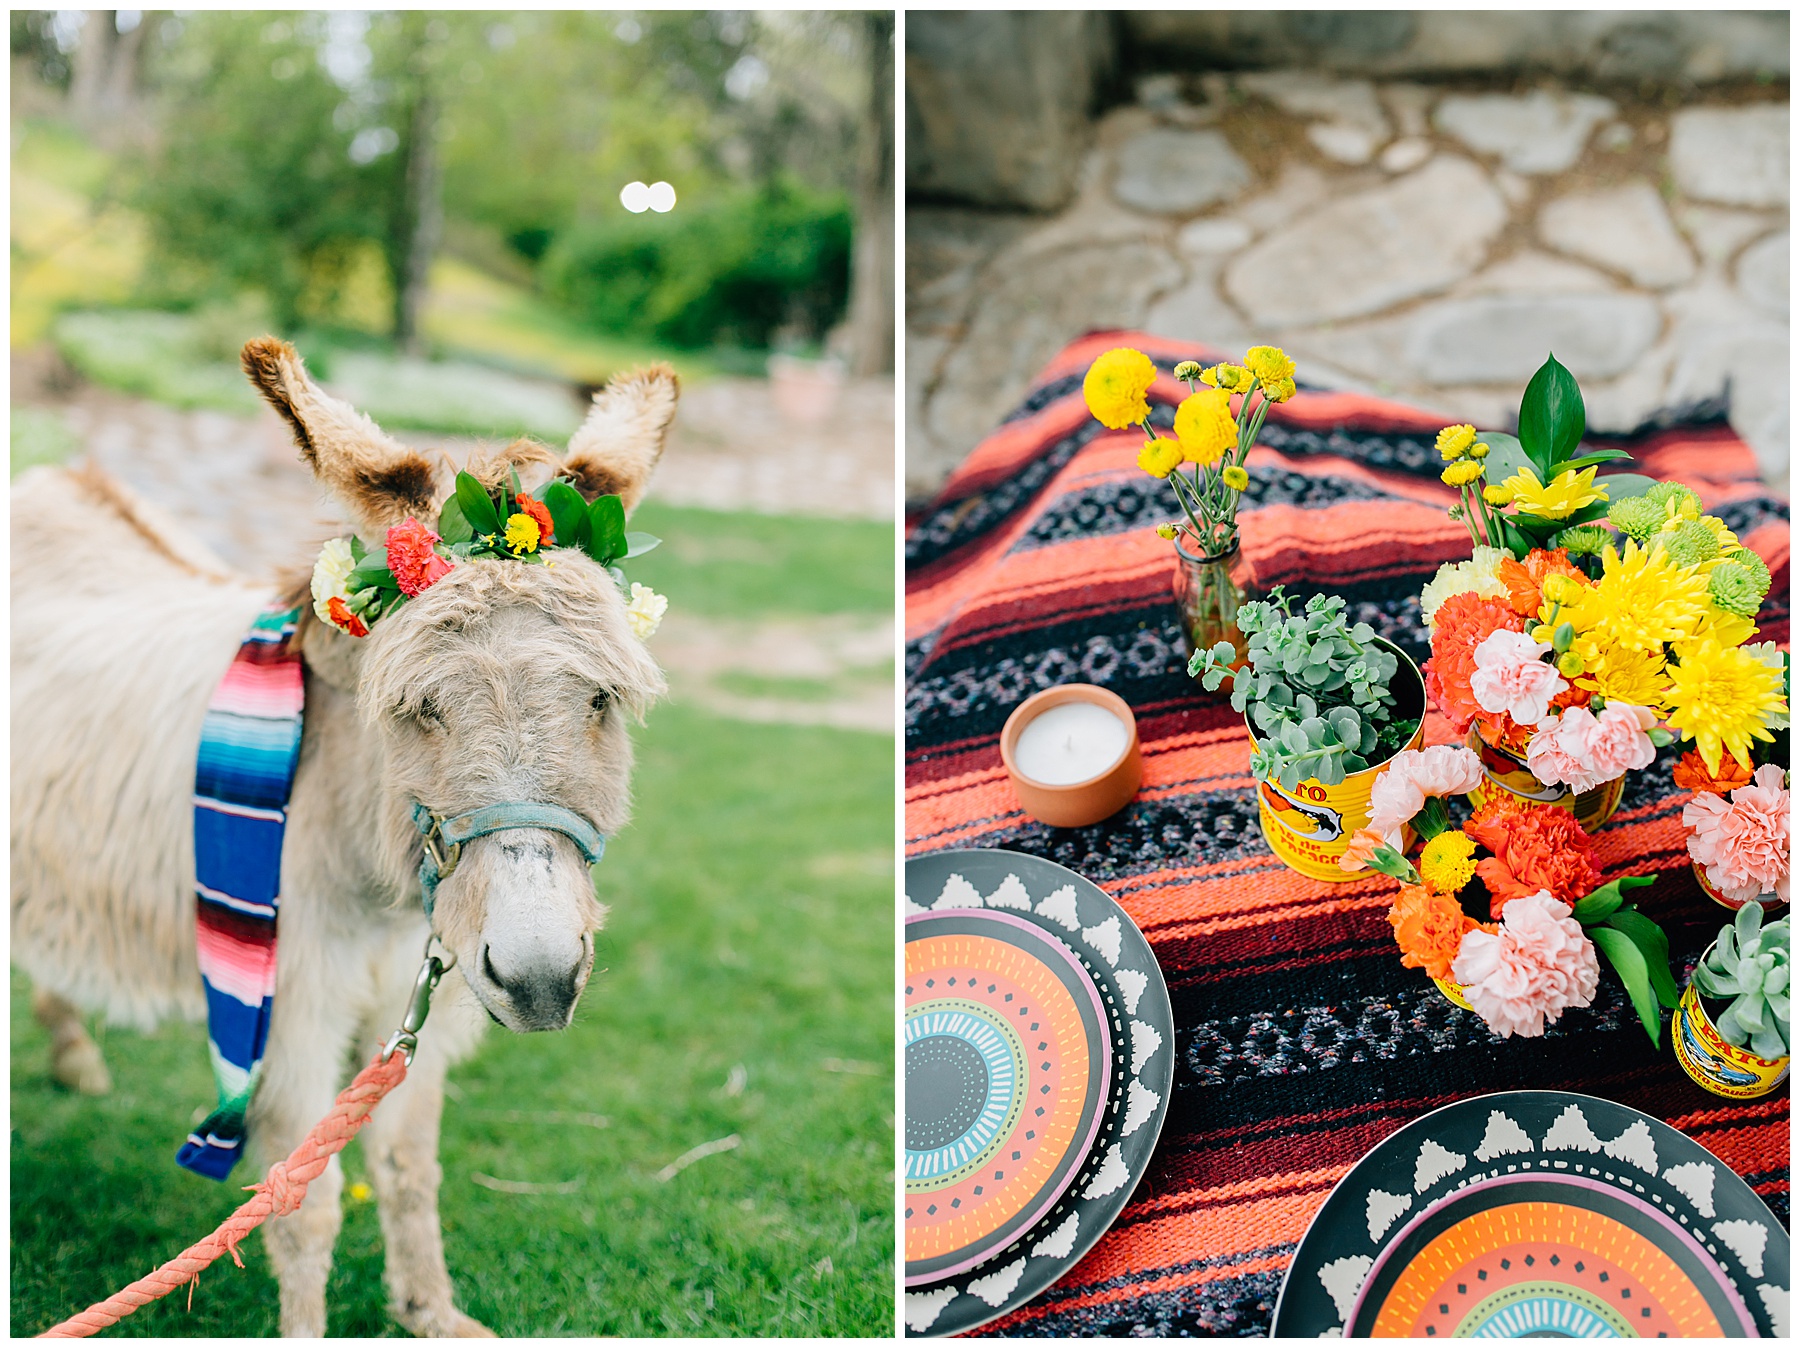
x=1301, y=1041
x=249, y=746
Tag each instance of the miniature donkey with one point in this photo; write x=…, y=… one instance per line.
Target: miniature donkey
x=502, y=682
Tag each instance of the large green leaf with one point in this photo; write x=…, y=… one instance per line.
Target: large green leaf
x=453, y=526
x=636, y=544
x=606, y=530
x=1625, y=957
x=1624, y=486
x=568, y=513
x=1654, y=946
x=1551, y=418
x=477, y=505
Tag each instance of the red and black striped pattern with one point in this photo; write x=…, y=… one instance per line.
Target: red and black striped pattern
x=1301, y=1041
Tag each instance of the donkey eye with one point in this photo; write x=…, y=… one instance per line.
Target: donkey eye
x=602, y=700
x=428, y=714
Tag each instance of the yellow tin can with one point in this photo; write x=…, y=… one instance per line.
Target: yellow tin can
x=1503, y=771
x=1310, y=827
x=1722, y=1068
x=1454, y=992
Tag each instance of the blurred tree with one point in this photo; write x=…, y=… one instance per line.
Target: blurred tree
x=103, y=85
x=871, y=319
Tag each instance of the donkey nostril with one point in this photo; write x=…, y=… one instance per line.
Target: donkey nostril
x=488, y=969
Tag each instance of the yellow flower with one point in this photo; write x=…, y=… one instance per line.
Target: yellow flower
x=1115, y=387
x=1568, y=664
x=1478, y=450
x=1641, y=602
x=522, y=534
x=1160, y=457
x=1167, y=532
x=1454, y=441
x=1728, y=541
x=1567, y=492
x=1205, y=426
x=1272, y=366
x=1463, y=472
x=1719, y=698
x=1448, y=861
x=1720, y=625
x=1496, y=495
x=1480, y=575
x=1622, y=675
x=1188, y=369
x=1236, y=478
x=1231, y=378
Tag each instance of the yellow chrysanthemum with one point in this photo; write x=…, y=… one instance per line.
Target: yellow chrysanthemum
x=1637, y=677
x=1275, y=368
x=1641, y=602
x=1236, y=478
x=522, y=534
x=1454, y=441
x=1716, y=624
x=1728, y=541
x=1231, y=378
x=1160, y=457
x=1167, y=532
x=1448, y=861
x=1719, y=697
x=1496, y=495
x=1479, y=450
x=1566, y=493
x=1463, y=472
x=1115, y=387
x=1205, y=426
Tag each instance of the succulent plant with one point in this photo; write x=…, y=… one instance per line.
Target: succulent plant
x=1317, y=690
x=1749, y=966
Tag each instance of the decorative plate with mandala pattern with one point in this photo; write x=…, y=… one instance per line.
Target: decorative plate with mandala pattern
x=1039, y=1058
x=1534, y=1214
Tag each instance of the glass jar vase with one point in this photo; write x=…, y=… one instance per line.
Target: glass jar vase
x=1208, y=592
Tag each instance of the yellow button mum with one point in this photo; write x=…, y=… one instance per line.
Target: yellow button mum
x=1720, y=697
x=1236, y=478
x=1463, y=472
x=522, y=533
x=1566, y=493
x=1448, y=861
x=1496, y=495
x=1115, y=387
x=1205, y=426
x=1160, y=457
x=1454, y=441
x=1231, y=378
x=1275, y=369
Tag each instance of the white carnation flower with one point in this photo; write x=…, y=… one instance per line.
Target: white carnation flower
x=1480, y=575
x=331, y=576
x=645, y=611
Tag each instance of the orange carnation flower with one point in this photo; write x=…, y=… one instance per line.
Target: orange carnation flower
x=1361, y=850
x=1691, y=774
x=541, y=513
x=1429, y=928
x=1534, y=847
x=344, y=618
x=1464, y=621
x=1525, y=581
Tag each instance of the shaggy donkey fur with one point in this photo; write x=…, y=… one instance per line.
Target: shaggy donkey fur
x=503, y=682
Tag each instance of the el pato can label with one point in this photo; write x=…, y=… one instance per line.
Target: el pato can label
x=1503, y=771
x=1722, y=1068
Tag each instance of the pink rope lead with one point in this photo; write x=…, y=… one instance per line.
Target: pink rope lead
x=279, y=1194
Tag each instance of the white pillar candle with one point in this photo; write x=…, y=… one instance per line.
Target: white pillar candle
x=1070, y=742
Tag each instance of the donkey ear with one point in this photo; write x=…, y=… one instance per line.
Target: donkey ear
x=617, y=447
x=379, y=479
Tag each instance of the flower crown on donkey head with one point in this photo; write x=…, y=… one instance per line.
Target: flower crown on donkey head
x=488, y=514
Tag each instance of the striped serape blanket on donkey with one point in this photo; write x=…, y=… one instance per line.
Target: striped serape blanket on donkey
x=1301, y=1041
x=249, y=745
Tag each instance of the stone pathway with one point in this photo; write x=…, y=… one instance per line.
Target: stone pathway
x=1400, y=238
x=238, y=484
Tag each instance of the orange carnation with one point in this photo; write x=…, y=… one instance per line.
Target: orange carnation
x=541, y=513
x=1691, y=774
x=1361, y=850
x=1525, y=581
x=1464, y=621
x=344, y=618
x=1534, y=847
x=1429, y=928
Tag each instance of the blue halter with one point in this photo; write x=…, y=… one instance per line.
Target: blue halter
x=444, y=838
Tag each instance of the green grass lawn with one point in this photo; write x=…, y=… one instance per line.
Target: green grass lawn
x=751, y=929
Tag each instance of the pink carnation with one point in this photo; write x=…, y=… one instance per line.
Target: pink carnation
x=1412, y=776
x=1523, y=977
x=1582, y=751
x=416, y=566
x=1743, y=846
x=1510, y=678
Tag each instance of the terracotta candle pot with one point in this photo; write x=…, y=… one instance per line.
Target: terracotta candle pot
x=1072, y=754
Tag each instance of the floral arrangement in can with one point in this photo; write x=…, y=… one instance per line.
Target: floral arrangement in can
x=1542, y=918
x=1598, y=618
x=354, y=585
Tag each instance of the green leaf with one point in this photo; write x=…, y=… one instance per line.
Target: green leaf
x=1608, y=898
x=477, y=505
x=1595, y=456
x=636, y=545
x=373, y=571
x=453, y=525
x=568, y=514
x=1624, y=486
x=1654, y=946
x=357, y=550
x=1624, y=956
x=1551, y=418
x=606, y=530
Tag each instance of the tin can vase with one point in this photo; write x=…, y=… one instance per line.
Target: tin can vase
x=1722, y=1068
x=1310, y=827
x=1502, y=770
x=1707, y=888
x=1453, y=992
x=1208, y=593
